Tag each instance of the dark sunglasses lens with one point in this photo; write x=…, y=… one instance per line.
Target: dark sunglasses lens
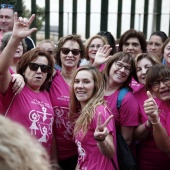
x=65, y=51
x=75, y=52
x=44, y=68
x=33, y=66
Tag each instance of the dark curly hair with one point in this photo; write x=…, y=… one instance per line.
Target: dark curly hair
x=133, y=34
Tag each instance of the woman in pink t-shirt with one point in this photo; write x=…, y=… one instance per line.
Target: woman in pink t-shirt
x=94, y=129
x=158, y=84
x=70, y=50
x=143, y=133
x=32, y=107
x=118, y=74
x=134, y=43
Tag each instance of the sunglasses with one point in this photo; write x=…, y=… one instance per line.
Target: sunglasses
x=65, y=51
x=7, y=6
x=34, y=67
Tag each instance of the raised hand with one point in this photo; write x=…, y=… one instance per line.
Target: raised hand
x=151, y=108
x=21, y=26
x=102, y=55
x=101, y=130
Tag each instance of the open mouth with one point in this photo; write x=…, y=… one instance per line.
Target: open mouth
x=39, y=78
x=165, y=92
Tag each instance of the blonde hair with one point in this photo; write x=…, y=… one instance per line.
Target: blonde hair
x=18, y=149
x=88, y=42
x=86, y=114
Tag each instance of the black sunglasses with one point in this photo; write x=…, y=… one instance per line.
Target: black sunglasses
x=65, y=51
x=7, y=6
x=34, y=67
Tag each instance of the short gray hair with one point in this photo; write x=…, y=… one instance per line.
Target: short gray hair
x=5, y=40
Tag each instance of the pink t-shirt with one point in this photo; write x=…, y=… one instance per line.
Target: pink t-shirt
x=129, y=110
x=90, y=157
x=33, y=110
x=135, y=85
x=60, y=97
x=149, y=156
x=165, y=116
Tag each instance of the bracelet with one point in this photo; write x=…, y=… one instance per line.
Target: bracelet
x=149, y=128
x=99, y=139
x=154, y=123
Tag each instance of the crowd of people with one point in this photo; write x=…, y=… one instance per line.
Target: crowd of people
x=64, y=97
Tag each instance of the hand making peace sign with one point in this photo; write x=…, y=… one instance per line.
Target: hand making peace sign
x=101, y=130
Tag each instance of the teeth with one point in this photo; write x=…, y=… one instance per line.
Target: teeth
x=81, y=92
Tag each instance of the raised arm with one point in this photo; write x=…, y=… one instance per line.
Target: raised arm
x=161, y=137
x=20, y=31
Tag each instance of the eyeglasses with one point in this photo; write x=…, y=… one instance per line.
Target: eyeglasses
x=65, y=51
x=34, y=67
x=94, y=46
x=7, y=6
x=156, y=84
x=120, y=66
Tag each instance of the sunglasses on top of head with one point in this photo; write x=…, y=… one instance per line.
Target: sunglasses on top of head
x=35, y=66
x=7, y=6
x=65, y=51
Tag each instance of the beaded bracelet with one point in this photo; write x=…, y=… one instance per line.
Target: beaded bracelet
x=154, y=123
x=99, y=139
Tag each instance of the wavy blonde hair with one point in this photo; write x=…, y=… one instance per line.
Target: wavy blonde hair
x=82, y=118
x=19, y=150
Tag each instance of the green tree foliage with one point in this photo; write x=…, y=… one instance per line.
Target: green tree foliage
x=12, y=2
x=40, y=15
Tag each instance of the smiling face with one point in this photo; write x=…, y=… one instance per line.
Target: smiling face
x=69, y=60
x=35, y=79
x=163, y=90
x=117, y=75
x=6, y=19
x=132, y=46
x=83, y=86
x=93, y=47
x=141, y=69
